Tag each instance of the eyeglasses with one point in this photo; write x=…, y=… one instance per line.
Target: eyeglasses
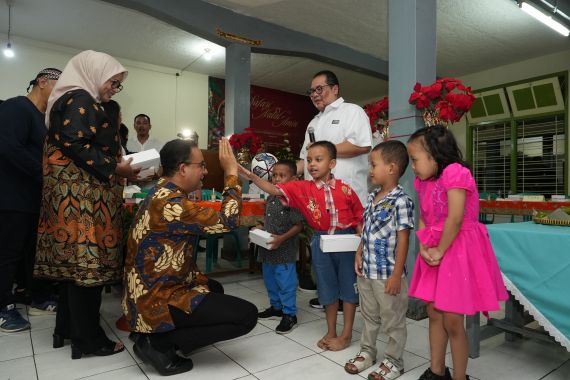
x=116, y=85
x=202, y=164
x=319, y=89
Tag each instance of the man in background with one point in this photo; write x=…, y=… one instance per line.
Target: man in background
x=143, y=142
x=23, y=130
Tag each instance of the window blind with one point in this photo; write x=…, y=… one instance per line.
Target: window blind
x=491, y=157
x=540, y=156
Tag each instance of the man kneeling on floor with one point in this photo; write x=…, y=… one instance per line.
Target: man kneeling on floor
x=173, y=308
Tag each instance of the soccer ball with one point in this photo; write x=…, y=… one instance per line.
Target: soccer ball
x=262, y=164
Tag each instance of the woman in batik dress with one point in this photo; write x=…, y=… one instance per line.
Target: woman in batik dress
x=79, y=233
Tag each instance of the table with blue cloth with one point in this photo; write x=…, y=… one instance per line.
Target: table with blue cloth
x=535, y=263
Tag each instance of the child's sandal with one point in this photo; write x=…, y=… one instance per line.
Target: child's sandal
x=354, y=366
x=381, y=374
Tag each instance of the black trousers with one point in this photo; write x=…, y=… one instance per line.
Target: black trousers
x=18, y=235
x=218, y=317
x=78, y=316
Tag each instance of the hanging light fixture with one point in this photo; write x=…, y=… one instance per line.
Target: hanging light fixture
x=207, y=54
x=8, y=51
x=545, y=19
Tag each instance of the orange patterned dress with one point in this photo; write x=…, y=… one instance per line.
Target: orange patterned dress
x=79, y=232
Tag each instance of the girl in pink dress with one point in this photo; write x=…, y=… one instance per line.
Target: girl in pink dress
x=456, y=272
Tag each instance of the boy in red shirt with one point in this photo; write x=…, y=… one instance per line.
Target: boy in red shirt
x=330, y=206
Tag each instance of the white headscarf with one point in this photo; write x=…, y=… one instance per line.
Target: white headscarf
x=88, y=70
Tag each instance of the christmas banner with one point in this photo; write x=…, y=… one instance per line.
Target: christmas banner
x=278, y=118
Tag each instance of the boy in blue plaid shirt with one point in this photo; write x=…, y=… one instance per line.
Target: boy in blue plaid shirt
x=379, y=263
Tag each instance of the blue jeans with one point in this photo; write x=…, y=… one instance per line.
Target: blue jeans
x=336, y=278
x=281, y=283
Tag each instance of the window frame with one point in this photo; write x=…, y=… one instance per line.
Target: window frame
x=512, y=121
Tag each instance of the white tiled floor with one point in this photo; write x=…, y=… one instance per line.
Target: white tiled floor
x=262, y=354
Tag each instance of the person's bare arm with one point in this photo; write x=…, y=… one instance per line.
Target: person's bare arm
x=347, y=149
x=300, y=167
x=453, y=222
x=264, y=185
x=277, y=240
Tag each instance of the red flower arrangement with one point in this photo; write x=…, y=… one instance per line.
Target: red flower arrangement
x=447, y=100
x=246, y=140
x=377, y=111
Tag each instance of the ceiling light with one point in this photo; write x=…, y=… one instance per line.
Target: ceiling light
x=207, y=54
x=546, y=20
x=188, y=134
x=9, y=52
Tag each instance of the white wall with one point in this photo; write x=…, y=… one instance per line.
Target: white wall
x=172, y=102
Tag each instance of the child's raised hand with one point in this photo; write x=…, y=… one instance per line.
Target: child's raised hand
x=393, y=285
x=243, y=171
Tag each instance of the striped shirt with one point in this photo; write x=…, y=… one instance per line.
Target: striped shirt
x=382, y=221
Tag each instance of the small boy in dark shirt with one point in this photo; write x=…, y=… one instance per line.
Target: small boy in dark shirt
x=278, y=262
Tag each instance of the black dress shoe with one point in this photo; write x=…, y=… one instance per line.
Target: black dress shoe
x=133, y=336
x=429, y=375
x=166, y=363
x=106, y=350
x=58, y=340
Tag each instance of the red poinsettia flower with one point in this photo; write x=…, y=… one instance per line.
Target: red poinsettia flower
x=449, y=83
x=447, y=97
x=433, y=91
x=377, y=111
x=247, y=139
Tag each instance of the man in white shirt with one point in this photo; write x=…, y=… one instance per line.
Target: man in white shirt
x=345, y=125
x=143, y=141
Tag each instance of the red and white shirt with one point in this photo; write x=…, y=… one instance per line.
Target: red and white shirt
x=326, y=206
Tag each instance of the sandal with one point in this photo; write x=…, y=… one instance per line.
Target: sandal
x=381, y=374
x=354, y=366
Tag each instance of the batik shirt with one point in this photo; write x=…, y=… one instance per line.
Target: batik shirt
x=310, y=198
x=382, y=221
x=159, y=269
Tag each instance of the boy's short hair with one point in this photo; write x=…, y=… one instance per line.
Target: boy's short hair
x=291, y=165
x=327, y=145
x=394, y=152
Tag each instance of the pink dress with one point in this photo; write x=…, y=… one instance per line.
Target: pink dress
x=468, y=279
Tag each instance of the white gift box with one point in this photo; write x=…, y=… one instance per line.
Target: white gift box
x=260, y=237
x=339, y=243
x=145, y=159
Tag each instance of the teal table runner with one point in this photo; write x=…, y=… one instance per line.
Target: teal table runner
x=535, y=262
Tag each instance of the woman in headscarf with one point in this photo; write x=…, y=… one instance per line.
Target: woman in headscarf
x=79, y=233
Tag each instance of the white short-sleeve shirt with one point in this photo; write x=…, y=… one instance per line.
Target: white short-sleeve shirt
x=134, y=145
x=338, y=122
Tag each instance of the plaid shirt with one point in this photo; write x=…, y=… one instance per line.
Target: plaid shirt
x=382, y=220
x=329, y=201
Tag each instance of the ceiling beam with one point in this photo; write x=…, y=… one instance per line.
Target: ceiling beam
x=203, y=19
